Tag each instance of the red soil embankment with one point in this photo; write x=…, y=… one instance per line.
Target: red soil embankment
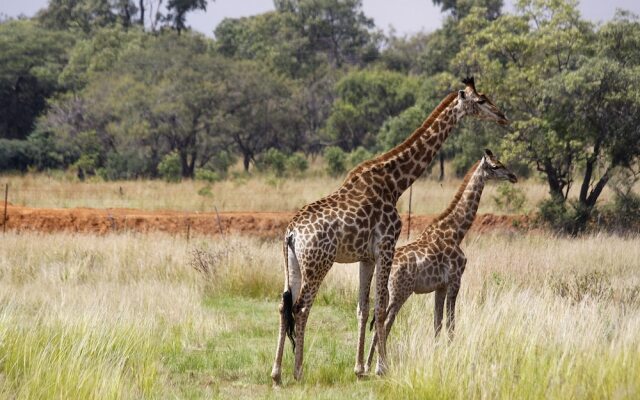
x=263, y=224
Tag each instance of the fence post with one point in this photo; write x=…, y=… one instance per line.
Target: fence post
x=409, y=222
x=188, y=228
x=218, y=218
x=6, y=196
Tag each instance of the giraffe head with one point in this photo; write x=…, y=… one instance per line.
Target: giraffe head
x=494, y=169
x=470, y=102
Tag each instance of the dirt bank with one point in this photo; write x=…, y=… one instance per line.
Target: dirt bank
x=263, y=224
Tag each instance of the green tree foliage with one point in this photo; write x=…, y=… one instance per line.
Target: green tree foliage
x=170, y=168
x=32, y=60
x=461, y=8
x=365, y=100
x=336, y=160
x=259, y=111
x=337, y=28
x=87, y=15
x=178, y=10
x=163, y=94
x=566, y=85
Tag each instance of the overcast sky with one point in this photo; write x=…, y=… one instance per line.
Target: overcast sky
x=406, y=16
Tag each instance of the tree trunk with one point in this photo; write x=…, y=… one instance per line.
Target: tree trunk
x=141, y=5
x=441, y=177
x=184, y=165
x=246, y=160
x=555, y=186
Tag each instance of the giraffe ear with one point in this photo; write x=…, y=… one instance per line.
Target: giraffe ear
x=469, y=81
x=488, y=153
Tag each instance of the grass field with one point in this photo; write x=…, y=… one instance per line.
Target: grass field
x=248, y=193
x=130, y=316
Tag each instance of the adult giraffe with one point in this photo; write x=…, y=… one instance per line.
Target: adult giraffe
x=359, y=222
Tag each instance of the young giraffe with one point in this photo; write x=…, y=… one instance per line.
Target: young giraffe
x=435, y=261
x=359, y=222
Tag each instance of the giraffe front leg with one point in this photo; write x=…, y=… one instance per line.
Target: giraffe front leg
x=366, y=275
x=394, y=307
x=383, y=270
x=452, y=294
x=438, y=309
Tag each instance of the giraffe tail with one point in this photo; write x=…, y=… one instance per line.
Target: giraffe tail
x=287, y=310
x=287, y=296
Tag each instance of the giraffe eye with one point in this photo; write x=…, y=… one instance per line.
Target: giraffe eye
x=481, y=101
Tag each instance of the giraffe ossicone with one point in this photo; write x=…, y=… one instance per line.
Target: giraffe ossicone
x=360, y=222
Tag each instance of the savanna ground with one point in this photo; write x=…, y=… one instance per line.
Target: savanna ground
x=126, y=315
x=155, y=316
x=240, y=192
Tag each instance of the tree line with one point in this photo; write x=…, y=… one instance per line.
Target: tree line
x=123, y=89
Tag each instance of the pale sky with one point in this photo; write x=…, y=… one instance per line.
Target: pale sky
x=406, y=16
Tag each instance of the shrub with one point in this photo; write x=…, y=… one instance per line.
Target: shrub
x=169, y=168
x=553, y=212
x=203, y=174
x=358, y=156
x=127, y=165
x=87, y=163
x=273, y=160
x=296, y=164
x=205, y=191
x=14, y=154
x=336, y=160
x=624, y=213
x=509, y=198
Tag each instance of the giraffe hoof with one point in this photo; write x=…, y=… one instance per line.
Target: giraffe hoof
x=276, y=379
x=381, y=370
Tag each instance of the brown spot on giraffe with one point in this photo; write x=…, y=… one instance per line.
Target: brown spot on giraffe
x=435, y=261
x=370, y=192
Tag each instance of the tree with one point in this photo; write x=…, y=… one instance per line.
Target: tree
x=178, y=10
x=86, y=15
x=365, y=100
x=272, y=38
x=566, y=86
x=338, y=28
x=461, y=8
x=33, y=59
x=164, y=94
x=258, y=111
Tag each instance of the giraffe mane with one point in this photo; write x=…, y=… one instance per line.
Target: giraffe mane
x=408, y=141
x=459, y=193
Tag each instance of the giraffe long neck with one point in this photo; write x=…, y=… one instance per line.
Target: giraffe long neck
x=456, y=220
x=394, y=171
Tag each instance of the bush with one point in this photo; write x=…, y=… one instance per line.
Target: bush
x=624, y=213
x=14, y=154
x=296, y=164
x=336, y=160
x=553, y=212
x=358, y=156
x=86, y=164
x=203, y=174
x=221, y=162
x=567, y=217
x=169, y=168
x=127, y=165
x=273, y=160
x=509, y=198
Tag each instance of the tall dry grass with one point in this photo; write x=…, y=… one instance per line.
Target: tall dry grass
x=255, y=193
x=154, y=316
